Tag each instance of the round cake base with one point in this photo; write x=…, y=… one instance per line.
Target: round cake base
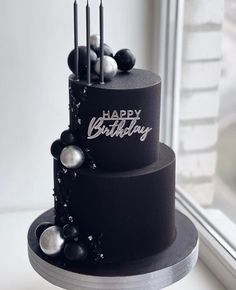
x=154, y=272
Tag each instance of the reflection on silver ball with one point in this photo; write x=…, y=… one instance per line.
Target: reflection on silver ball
x=95, y=41
x=109, y=66
x=72, y=157
x=51, y=241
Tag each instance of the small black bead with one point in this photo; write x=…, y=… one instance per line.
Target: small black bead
x=82, y=61
x=41, y=228
x=125, y=60
x=75, y=251
x=67, y=137
x=56, y=149
x=107, y=50
x=70, y=231
x=63, y=221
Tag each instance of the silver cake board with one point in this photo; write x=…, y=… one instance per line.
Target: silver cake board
x=153, y=273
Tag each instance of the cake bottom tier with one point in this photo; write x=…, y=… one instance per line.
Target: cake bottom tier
x=154, y=272
x=131, y=213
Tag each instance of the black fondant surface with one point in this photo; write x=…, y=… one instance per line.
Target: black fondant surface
x=134, y=94
x=133, y=210
x=186, y=240
x=136, y=79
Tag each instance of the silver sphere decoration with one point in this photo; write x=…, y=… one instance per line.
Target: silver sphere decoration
x=72, y=157
x=95, y=41
x=109, y=65
x=51, y=241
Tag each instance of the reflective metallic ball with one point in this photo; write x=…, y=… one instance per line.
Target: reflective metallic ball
x=41, y=228
x=107, y=50
x=109, y=66
x=72, y=157
x=56, y=149
x=75, y=252
x=125, y=60
x=51, y=241
x=95, y=41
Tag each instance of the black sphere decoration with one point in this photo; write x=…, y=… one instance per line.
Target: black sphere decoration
x=75, y=252
x=125, y=60
x=82, y=61
x=41, y=228
x=107, y=50
x=70, y=231
x=67, y=137
x=63, y=221
x=56, y=149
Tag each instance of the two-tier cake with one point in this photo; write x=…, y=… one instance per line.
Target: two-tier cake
x=114, y=182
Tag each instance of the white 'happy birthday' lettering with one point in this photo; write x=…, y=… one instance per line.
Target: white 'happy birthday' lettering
x=124, y=124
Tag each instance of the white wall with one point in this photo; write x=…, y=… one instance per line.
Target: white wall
x=36, y=37
x=200, y=98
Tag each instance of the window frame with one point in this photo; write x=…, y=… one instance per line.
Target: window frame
x=215, y=251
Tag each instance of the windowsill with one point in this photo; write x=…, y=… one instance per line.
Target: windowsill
x=199, y=278
x=17, y=272
x=215, y=251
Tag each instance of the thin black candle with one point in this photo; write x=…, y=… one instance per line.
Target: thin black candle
x=76, y=42
x=88, y=43
x=101, y=43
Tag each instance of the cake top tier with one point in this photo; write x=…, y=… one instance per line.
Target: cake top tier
x=136, y=79
x=114, y=109
x=117, y=121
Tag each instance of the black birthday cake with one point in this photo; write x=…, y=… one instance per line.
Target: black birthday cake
x=114, y=181
x=123, y=193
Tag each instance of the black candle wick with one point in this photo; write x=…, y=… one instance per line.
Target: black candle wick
x=76, y=41
x=88, y=43
x=101, y=19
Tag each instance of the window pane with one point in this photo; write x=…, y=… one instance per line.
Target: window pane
x=207, y=127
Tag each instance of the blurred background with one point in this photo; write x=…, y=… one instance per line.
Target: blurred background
x=207, y=114
x=36, y=38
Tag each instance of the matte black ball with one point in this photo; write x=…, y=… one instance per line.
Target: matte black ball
x=56, y=149
x=107, y=50
x=82, y=61
x=70, y=231
x=63, y=221
x=41, y=228
x=75, y=252
x=125, y=60
x=67, y=137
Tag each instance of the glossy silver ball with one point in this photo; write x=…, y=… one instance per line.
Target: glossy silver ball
x=51, y=241
x=95, y=41
x=72, y=157
x=109, y=66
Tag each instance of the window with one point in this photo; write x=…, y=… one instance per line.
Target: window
x=198, y=53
